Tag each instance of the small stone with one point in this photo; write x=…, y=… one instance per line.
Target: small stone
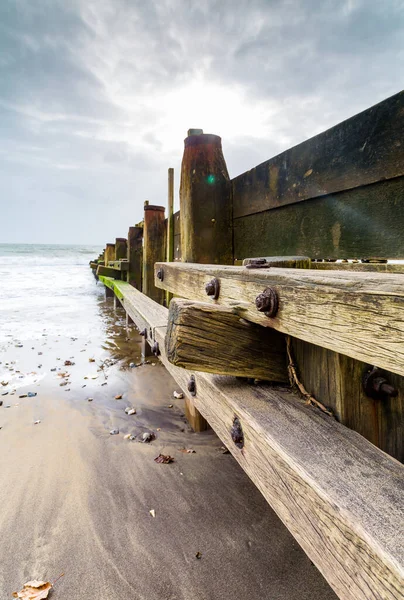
x=1, y=402
x=31, y=394
x=54, y=369
x=178, y=395
x=105, y=383
x=37, y=422
x=23, y=396
x=147, y=437
x=132, y=365
x=170, y=406
x=130, y=411
x=90, y=399
x=114, y=432
x=198, y=555
x=118, y=397
x=152, y=512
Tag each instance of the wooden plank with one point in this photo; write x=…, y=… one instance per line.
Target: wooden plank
x=135, y=256
x=287, y=262
x=359, y=266
x=119, y=265
x=170, y=224
x=214, y=339
x=336, y=380
x=107, y=272
x=338, y=495
x=357, y=314
x=121, y=248
x=154, y=245
x=361, y=150
x=362, y=223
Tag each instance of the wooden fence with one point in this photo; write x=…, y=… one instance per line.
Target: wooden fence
x=284, y=274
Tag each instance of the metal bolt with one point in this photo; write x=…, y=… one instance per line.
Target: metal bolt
x=144, y=333
x=156, y=349
x=376, y=386
x=237, y=434
x=267, y=302
x=212, y=288
x=160, y=274
x=192, y=385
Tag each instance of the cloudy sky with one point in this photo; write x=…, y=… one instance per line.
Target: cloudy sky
x=96, y=96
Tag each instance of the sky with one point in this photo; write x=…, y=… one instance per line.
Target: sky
x=96, y=96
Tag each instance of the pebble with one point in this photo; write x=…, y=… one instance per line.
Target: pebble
x=37, y=422
x=23, y=396
x=147, y=437
x=118, y=397
x=90, y=399
x=54, y=369
x=132, y=365
x=31, y=394
x=114, y=431
x=1, y=402
x=178, y=395
x=130, y=411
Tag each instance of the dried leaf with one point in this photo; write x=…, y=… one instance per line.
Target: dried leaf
x=34, y=590
x=164, y=459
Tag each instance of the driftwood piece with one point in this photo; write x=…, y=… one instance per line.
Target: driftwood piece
x=338, y=495
x=357, y=314
x=215, y=339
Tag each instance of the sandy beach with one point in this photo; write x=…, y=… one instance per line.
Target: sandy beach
x=76, y=500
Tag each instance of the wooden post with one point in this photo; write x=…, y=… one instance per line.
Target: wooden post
x=153, y=249
x=121, y=250
x=135, y=251
x=170, y=224
x=109, y=253
x=205, y=202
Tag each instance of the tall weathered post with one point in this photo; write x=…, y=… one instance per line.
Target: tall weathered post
x=170, y=224
x=206, y=214
x=205, y=201
x=109, y=253
x=135, y=251
x=154, y=245
x=121, y=248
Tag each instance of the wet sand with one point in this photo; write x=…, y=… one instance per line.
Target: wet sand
x=76, y=500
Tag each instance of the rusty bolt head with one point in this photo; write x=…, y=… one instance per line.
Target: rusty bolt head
x=156, y=349
x=376, y=386
x=237, y=434
x=212, y=288
x=160, y=274
x=267, y=302
x=192, y=385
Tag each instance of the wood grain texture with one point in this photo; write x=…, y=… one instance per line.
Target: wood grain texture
x=336, y=381
x=357, y=314
x=361, y=150
x=109, y=253
x=119, y=265
x=135, y=256
x=361, y=223
x=339, y=496
x=214, y=339
x=287, y=262
x=154, y=249
x=205, y=201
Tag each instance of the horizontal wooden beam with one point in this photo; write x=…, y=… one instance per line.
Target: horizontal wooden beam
x=337, y=494
x=214, y=339
x=107, y=271
x=357, y=314
x=119, y=265
x=364, y=149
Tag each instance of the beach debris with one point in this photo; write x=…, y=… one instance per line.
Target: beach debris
x=4, y=382
x=118, y=397
x=224, y=450
x=1, y=402
x=188, y=450
x=129, y=436
x=198, y=555
x=91, y=360
x=39, y=367
x=31, y=394
x=54, y=369
x=94, y=377
x=23, y=396
x=164, y=459
x=37, y=422
x=34, y=590
x=4, y=393
x=178, y=395
x=170, y=406
x=40, y=354
x=129, y=410
x=18, y=345
x=7, y=406
x=132, y=365
x=90, y=399
x=158, y=429
x=152, y=512
x=69, y=363
x=114, y=432
x=105, y=383
x=83, y=386
x=63, y=383
x=147, y=437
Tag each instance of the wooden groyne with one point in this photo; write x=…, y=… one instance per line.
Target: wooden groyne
x=285, y=330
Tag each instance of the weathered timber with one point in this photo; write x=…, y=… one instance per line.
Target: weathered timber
x=121, y=248
x=338, y=495
x=357, y=314
x=360, y=223
x=154, y=246
x=205, y=202
x=359, y=266
x=214, y=339
x=135, y=255
x=336, y=380
x=109, y=253
x=170, y=224
x=364, y=149
x=119, y=265
x=287, y=262
x=107, y=271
